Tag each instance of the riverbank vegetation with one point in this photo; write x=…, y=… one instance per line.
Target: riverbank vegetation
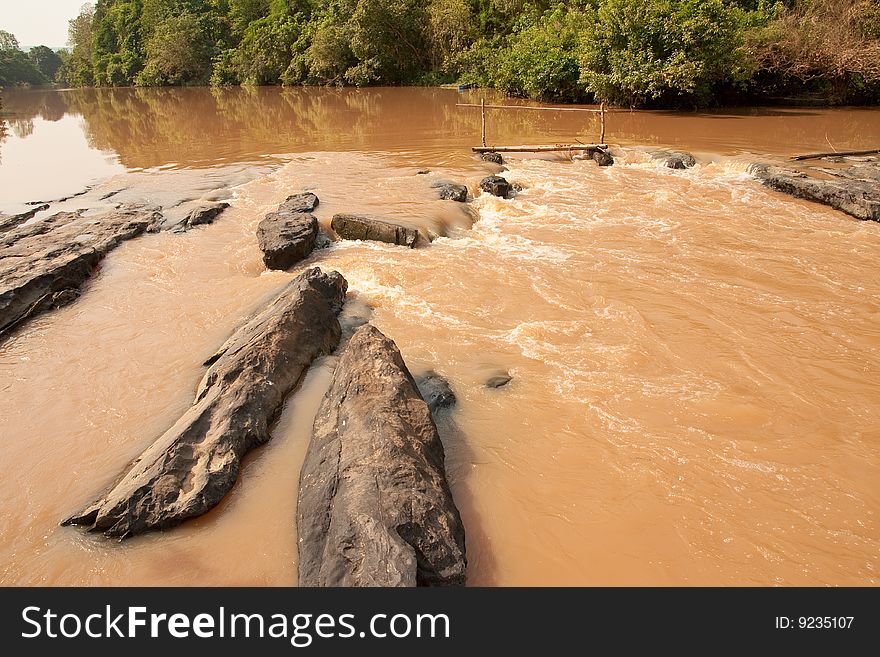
x=635, y=53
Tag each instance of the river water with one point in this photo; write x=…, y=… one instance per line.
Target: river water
x=695, y=395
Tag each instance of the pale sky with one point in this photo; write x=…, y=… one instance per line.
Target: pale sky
x=38, y=22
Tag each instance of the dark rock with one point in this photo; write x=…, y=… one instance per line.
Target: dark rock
x=857, y=197
x=675, y=159
x=498, y=380
x=603, y=158
x=194, y=464
x=375, y=508
x=495, y=158
x=436, y=391
x=41, y=261
x=496, y=185
x=323, y=240
x=357, y=227
x=423, y=172
x=285, y=238
x=204, y=214
x=306, y=202
x=452, y=191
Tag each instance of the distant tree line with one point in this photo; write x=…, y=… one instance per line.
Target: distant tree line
x=634, y=53
x=40, y=65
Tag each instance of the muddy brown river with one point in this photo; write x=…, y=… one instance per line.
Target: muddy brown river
x=695, y=358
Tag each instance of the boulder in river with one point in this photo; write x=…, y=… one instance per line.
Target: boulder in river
x=675, y=159
x=493, y=157
x=496, y=185
x=603, y=158
x=44, y=263
x=375, y=508
x=358, y=227
x=451, y=191
x=285, y=238
x=196, y=462
x=498, y=380
x=857, y=196
x=204, y=214
x=305, y=202
x=436, y=391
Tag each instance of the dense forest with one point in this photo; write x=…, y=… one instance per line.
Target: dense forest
x=636, y=53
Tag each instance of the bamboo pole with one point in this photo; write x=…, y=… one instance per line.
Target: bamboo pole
x=483, y=108
x=538, y=149
x=816, y=156
x=537, y=107
x=602, y=123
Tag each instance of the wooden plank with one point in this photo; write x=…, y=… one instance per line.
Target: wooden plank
x=546, y=109
x=816, y=156
x=538, y=149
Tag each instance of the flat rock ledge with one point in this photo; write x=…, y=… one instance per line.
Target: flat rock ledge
x=855, y=194
x=375, y=508
x=196, y=462
x=43, y=264
x=358, y=227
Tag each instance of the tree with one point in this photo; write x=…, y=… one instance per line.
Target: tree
x=46, y=61
x=180, y=51
x=8, y=41
x=672, y=51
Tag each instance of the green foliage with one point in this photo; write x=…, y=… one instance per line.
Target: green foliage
x=673, y=51
x=266, y=50
x=180, y=50
x=16, y=67
x=540, y=59
x=46, y=61
x=628, y=52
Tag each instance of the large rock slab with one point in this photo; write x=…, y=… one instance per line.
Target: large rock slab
x=848, y=192
x=44, y=263
x=375, y=508
x=358, y=227
x=194, y=464
x=285, y=238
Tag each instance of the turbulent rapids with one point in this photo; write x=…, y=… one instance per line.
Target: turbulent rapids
x=690, y=358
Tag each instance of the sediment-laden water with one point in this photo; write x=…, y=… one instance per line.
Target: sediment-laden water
x=695, y=395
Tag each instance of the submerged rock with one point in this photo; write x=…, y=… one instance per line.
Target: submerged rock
x=195, y=463
x=496, y=185
x=374, y=507
x=357, y=227
x=857, y=196
x=285, y=238
x=493, y=157
x=436, y=391
x=305, y=202
x=675, y=159
x=204, y=214
x=451, y=191
x=44, y=263
x=603, y=158
x=498, y=380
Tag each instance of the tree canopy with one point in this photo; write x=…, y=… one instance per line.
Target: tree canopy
x=629, y=52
